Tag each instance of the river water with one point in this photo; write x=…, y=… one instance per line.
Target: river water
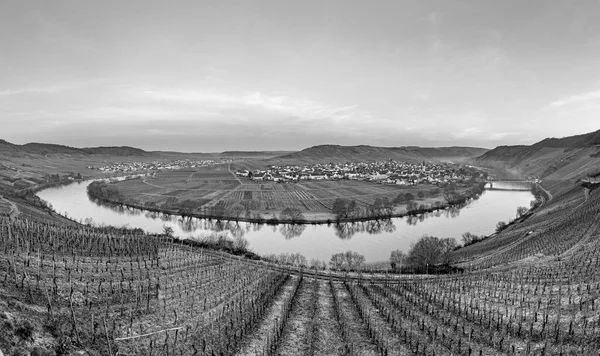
x=373, y=239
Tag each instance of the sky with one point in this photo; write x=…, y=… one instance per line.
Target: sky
x=206, y=76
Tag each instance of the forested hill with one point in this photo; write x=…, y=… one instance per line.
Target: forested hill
x=337, y=153
x=551, y=158
x=35, y=148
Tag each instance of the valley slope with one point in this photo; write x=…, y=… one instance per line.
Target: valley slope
x=550, y=159
x=363, y=153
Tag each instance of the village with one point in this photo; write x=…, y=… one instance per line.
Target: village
x=159, y=165
x=383, y=172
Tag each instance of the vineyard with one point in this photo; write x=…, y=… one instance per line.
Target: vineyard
x=216, y=186
x=122, y=293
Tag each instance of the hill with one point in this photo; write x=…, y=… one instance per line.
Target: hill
x=254, y=154
x=337, y=153
x=552, y=158
x=36, y=148
x=115, y=151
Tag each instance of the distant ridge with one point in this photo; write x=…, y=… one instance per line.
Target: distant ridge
x=338, y=153
x=115, y=151
x=37, y=148
x=552, y=158
x=254, y=153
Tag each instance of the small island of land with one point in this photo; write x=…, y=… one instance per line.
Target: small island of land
x=297, y=193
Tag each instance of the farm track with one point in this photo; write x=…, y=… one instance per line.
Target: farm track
x=295, y=332
x=14, y=209
x=357, y=331
x=254, y=344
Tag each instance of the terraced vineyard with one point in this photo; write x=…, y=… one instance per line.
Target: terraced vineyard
x=124, y=293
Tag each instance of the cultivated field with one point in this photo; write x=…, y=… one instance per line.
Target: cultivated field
x=217, y=187
x=142, y=295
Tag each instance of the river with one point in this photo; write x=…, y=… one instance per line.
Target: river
x=373, y=239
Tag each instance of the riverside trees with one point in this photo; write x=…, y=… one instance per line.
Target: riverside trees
x=346, y=260
x=431, y=250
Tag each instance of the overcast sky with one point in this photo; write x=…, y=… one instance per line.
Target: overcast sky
x=216, y=75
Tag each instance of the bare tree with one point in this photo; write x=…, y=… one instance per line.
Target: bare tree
x=430, y=250
x=398, y=259
x=168, y=231
x=237, y=210
x=293, y=214
x=521, y=211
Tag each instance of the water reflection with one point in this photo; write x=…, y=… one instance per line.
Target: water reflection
x=370, y=238
x=343, y=231
x=289, y=231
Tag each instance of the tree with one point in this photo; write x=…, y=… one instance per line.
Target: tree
x=351, y=207
x=501, y=225
x=387, y=206
x=340, y=207
x=397, y=259
x=293, y=214
x=317, y=264
x=354, y=260
x=430, y=250
x=450, y=196
x=337, y=261
x=168, y=231
x=448, y=245
x=346, y=260
x=408, y=196
x=521, y=211
x=421, y=194
x=171, y=202
x=298, y=260
x=237, y=210
x=376, y=208
x=469, y=238
x=400, y=198
x=411, y=206
x=343, y=208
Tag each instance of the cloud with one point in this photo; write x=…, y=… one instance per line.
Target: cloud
x=281, y=104
x=579, y=98
x=467, y=133
x=34, y=90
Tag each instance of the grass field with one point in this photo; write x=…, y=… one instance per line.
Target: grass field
x=217, y=186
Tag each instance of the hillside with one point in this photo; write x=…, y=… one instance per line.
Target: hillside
x=337, y=153
x=254, y=154
x=36, y=148
x=115, y=151
x=552, y=158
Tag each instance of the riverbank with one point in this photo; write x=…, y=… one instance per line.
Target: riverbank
x=110, y=195
x=371, y=237
x=277, y=221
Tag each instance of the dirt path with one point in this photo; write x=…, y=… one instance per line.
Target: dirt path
x=358, y=332
x=14, y=210
x=233, y=174
x=254, y=344
x=152, y=185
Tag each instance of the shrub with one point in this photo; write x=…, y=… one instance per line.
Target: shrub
x=63, y=345
x=41, y=351
x=24, y=330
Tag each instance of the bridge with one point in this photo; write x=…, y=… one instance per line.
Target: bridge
x=526, y=184
x=590, y=183
x=590, y=180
